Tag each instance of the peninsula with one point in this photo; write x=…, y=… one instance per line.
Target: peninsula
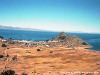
x=61, y=55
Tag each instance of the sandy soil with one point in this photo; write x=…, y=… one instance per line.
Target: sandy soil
x=51, y=60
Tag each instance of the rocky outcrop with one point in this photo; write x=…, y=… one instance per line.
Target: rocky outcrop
x=73, y=40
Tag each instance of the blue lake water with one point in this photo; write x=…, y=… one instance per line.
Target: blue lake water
x=93, y=39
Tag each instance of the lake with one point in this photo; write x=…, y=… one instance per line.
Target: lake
x=93, y=39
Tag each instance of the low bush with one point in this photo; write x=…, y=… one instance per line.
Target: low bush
x=7, y=55
x=4, y=45
x=1, y=56
x=84, y=43
x=8, y=72
x=62, y=37
x=38, y=49
x=15, y=57
x=24, y=74
x=51, y=51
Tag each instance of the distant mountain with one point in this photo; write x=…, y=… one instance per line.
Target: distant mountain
x=17, y=28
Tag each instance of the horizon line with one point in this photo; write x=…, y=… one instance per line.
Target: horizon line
x=36, y=29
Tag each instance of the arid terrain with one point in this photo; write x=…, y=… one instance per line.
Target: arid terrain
x=42, y=60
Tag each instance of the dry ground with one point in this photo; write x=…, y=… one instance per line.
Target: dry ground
x=52, y=61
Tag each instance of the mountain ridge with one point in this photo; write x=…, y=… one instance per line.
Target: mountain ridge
x=17, y=28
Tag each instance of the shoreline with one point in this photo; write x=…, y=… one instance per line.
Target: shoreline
x=29, y=43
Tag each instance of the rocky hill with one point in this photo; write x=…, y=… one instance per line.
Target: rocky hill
x=73, y=40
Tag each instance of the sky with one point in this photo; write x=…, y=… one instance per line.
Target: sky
x=56, y=15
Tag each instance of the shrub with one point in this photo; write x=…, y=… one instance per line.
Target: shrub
x=51, y=51
x=8, y=72
x=7, y=55
x=38, y=49
x=7, y=48
x=1, y=56
x=15, y=57
x=4, y=45
x=62, y=37
x=84, y=43
x=24, y=73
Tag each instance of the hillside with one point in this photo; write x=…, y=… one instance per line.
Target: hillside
x=70, y=41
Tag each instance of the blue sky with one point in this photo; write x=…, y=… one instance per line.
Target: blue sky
x=57, y=15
